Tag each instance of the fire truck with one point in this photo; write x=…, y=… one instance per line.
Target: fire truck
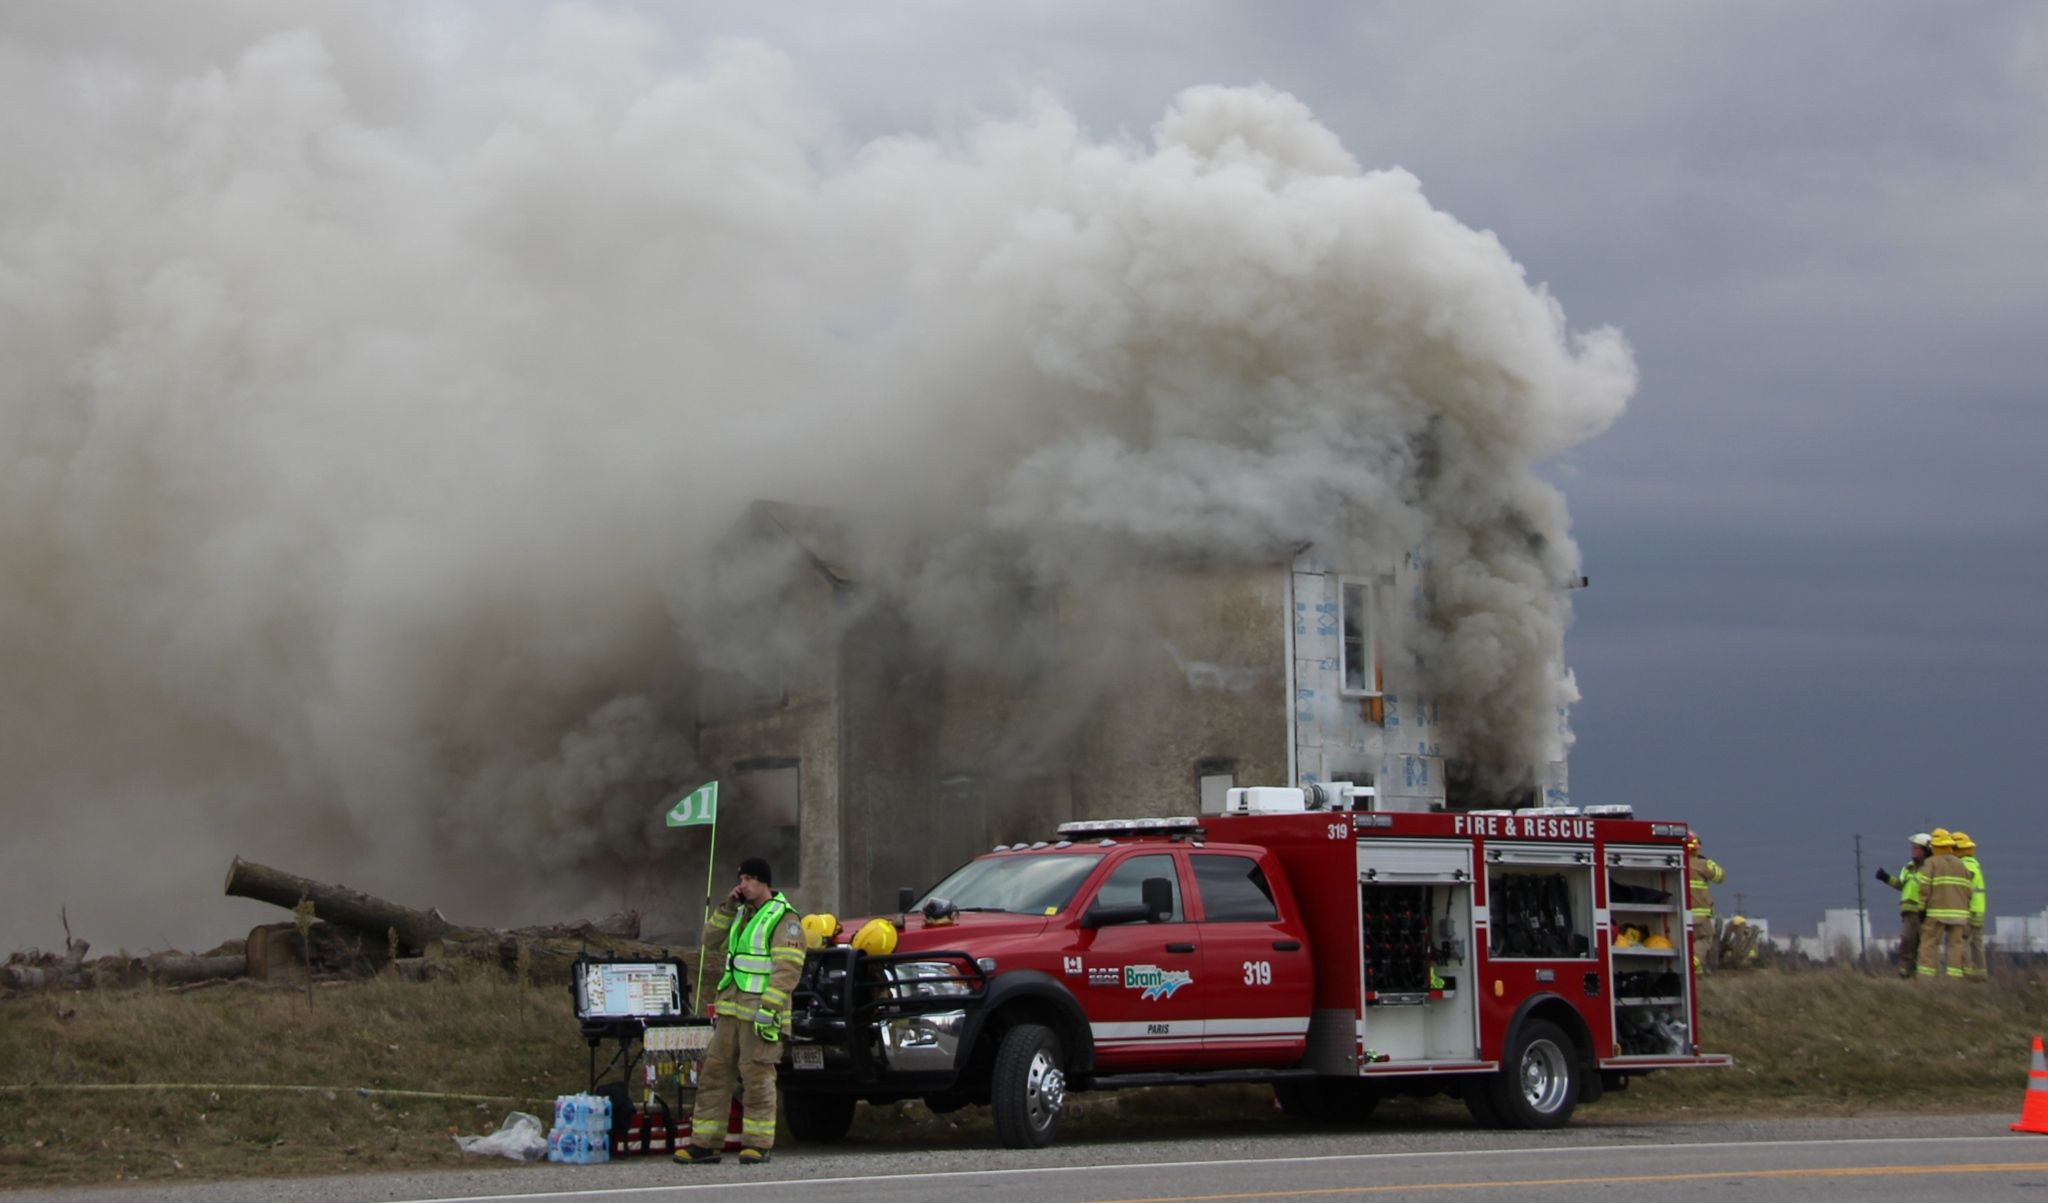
x=1524, y=961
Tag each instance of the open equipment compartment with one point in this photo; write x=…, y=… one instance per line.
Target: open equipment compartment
x=1415, y=933
x=1647, y=904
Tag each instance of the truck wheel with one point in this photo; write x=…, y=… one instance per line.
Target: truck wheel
x=815, y=1118
x=1539, y=1085
x=1476, y=1091
x=1029, y=1089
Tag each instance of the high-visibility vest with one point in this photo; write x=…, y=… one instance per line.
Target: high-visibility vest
x=747, y=959
x=1912, y=890
x=1976, y=890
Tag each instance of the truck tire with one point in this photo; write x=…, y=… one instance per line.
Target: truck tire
x=1327, y=1100
x=1029, y=1087
x=816, y=1118
x=1476, y=1092
x=1539, y=1084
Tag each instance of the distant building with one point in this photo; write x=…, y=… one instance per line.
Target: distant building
x=1844, y=933
x=2019, y=933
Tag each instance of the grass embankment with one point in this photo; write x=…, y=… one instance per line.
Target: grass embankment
x=1812, y=1042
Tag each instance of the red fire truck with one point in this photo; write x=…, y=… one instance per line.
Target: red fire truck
x=1523, y=961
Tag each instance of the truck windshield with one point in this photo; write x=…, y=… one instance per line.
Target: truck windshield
x=1030, y=885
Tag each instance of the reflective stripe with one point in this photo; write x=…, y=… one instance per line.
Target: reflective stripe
x=774, y=997
x=1186, y=1030
x=787, y=954
x=758, y=1127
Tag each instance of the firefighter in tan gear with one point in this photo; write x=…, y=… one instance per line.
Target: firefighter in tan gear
x=763, y=941
x=1699, y=897
x=1911, y=883
x=1974, y=966
x=1948, y=909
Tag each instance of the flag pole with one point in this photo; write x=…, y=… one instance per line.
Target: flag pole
x=703, y=921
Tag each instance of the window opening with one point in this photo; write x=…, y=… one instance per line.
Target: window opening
x=1234, y=890
x=1126, y=885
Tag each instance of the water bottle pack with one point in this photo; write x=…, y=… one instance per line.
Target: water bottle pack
x=582, y=1134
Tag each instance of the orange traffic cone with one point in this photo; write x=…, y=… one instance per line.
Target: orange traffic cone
x=2034, y=1114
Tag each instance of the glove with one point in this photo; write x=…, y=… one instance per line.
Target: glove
x=768, y=1032
x=1884, y=876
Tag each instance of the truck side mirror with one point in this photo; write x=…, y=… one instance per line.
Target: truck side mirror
x=1158, y=895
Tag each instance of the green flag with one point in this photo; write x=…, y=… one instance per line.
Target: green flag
x=699, y=806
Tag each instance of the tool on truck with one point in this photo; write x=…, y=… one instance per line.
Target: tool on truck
x=1525, y=961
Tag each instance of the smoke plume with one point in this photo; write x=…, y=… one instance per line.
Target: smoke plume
x=373, y=405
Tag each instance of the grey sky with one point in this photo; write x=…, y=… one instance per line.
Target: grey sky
x=1817, y=538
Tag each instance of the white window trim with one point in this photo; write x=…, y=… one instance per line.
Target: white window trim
x=1372, y=637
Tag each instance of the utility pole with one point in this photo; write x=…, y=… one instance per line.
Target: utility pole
x=1862, y=915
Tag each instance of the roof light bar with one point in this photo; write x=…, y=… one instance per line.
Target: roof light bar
x=1108, y=827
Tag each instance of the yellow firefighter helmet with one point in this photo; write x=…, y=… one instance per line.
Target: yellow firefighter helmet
x=877, y=938
x=1660, y=940
x=1964, y=844
x=819, y=929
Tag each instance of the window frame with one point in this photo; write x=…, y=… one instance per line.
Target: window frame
x=1180, y=891
x=1214, y=766
x=1197, y=858
x=1368, y=639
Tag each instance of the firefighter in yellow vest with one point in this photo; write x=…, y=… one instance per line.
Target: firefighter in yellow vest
x=1911, y=884
x=1974, y=967
x=763, y=941
x=1700, y=898
x=1948, y=909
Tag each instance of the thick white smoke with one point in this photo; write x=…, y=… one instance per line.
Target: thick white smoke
x=368, y=417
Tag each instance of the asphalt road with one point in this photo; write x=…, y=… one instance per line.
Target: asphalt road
x=1948, y=1157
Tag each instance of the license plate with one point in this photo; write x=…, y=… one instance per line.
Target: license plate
x=808, y=1056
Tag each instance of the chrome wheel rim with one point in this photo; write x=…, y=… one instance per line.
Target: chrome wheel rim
x=1545, y=1076
x=1045, y=1089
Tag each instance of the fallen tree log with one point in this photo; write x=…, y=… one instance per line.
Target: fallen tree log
x=352, y=933
x=177, y=969
x=338, y=904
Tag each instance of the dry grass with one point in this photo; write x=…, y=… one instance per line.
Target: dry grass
x=483, y=1036
x=1814, y=1042
x=1839, y=1042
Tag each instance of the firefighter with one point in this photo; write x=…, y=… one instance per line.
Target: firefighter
x=1705, y=873
x=1974, y=967
x=1911, y=884
x=1948, y=909
x=764, y=955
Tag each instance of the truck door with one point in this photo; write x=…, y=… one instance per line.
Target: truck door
x=1257, y=967
x=1143, y=982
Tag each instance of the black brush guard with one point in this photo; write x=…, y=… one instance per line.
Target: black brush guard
x=845, y=996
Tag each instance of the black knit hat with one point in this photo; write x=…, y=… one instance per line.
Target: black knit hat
x=757, y=869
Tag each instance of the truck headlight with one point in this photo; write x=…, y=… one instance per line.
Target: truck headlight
x=926, y=979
